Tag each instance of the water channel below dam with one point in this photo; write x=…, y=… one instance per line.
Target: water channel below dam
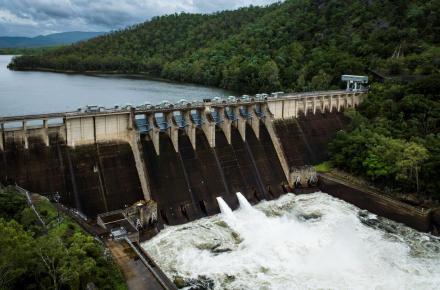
x=311, y=241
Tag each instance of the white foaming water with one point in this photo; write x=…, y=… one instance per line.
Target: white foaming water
x=224, y=208
x=244, y=203
x=310, y=241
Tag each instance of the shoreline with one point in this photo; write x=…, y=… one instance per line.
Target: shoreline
x=121, y=74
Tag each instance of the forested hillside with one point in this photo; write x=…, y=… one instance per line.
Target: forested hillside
x=293, y=45
x=297, y=45
x=56, y=255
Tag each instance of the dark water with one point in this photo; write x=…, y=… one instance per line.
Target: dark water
x=43, y=92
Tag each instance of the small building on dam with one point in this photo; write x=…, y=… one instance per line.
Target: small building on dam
x=180, y=156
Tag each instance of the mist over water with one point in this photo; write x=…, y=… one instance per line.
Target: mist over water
x=310, y=241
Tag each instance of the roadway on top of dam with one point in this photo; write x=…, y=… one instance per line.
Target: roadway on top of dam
x=175, y=107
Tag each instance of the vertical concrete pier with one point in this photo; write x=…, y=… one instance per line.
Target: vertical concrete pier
x=154, y=132
x=172, y=130
x=208, y=127
x=254, y=120
x=240, y=122
x=190, y=128
x=225, y=123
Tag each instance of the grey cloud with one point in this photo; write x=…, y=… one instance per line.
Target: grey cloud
x=31, y=17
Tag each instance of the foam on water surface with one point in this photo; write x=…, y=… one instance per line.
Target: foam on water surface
x=310, y=241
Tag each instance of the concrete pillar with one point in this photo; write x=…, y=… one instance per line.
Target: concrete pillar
x=322, y=104
x=314, y=105
x=173, y=130
x=240, y=123
x=25, y=136
x=136, y=147
x=296, y=108
x=254, y=121
x=190, y=128
x=46, y=132
x=331, y=103
x=2, y=137
x=338, y=103
x=208, y=127
x=305, y=106
x=268, y=122
x=225, y=124
x=154, y=132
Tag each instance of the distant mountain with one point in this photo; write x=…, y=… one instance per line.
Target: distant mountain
x=291, y=45
x=46, y=40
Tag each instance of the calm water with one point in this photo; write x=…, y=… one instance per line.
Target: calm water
x=43, y=92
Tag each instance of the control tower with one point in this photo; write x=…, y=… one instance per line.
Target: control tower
x=355, y=83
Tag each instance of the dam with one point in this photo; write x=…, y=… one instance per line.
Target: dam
x=180, y=156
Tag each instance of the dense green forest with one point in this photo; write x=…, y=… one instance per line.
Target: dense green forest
x=297, y=45
x=26, y=51
x=292, y=45
x=394, y=137
x=58, y=256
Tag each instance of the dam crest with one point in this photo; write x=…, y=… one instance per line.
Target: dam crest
x=180, y=156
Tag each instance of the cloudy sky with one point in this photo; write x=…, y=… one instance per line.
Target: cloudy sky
x=35, y=17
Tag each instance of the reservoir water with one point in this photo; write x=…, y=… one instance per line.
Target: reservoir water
x=310, y=241
x=44, y=92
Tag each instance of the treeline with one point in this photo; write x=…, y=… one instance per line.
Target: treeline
x=26, y=51
x=59, y=256
x=394, y=137
x=293, y=45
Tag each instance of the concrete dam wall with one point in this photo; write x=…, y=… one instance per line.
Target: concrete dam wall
x=91, y=178
x=304, y=139
x=180, y=157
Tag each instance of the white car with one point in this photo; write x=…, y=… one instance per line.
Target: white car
x=232, y=99
x=165, y=104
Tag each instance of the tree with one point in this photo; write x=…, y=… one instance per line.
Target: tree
x=413, y=156
x=321, y=81
x=268, y=76
x=16, y=254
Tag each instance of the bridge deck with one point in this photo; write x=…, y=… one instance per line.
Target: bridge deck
x=157, y=109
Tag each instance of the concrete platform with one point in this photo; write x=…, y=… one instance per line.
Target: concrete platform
x=137, y=276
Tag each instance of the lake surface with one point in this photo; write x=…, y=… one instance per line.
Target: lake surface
x=310, y=241
x=45, y=92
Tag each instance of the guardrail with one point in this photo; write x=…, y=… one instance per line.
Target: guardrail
x=174, y=107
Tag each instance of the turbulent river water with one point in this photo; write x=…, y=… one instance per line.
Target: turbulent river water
x=309, y=241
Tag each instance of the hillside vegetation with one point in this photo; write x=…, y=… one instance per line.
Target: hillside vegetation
x=394, y=137
x=293, y=45
x=56, y=256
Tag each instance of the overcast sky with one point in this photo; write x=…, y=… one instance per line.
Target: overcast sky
x=35, y=17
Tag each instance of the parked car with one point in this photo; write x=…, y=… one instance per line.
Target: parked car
x=217, y=100
x=232, y=99
x=245, y=98
x=165, y=104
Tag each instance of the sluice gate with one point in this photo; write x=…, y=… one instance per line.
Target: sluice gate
x=182, y=157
